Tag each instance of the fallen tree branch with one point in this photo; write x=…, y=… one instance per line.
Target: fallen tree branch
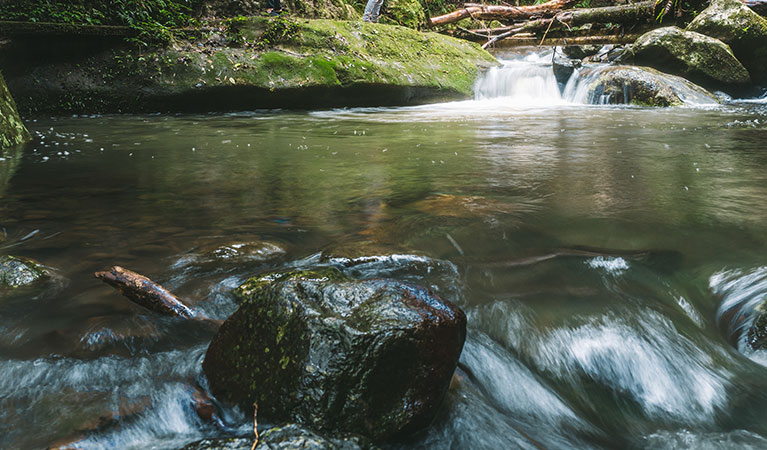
x=631, y=13
x=490, y=12
x=145, y=292
x=634, y=12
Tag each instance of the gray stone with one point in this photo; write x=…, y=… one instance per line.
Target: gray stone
x=739, y=27
x=699, y=58
x=641, y=86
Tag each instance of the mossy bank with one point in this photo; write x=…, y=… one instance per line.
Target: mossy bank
x=256, y=63
x=12, y=131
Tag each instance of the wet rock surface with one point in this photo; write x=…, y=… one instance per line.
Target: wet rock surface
x=221, y=444
x=757, y=333
x=297, y=437
x=372, y=357
x=563, y=68
x=642, y=86
x=12, y=130
x=697, y=57
x=288, y=437
x=16, y=271
x=580, y=51
x=742, y=29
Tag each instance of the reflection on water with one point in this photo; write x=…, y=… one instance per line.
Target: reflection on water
x=590, y=246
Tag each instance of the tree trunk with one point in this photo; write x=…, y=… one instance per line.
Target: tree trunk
x=631, y=13
x=489, y=12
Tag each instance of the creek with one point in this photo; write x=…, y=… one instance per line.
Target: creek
x=602, y=254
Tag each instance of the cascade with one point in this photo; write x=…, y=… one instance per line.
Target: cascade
x=528, y=80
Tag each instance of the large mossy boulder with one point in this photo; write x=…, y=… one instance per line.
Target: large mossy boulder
x=699, y=58
x=12, y=130
x=372, y=357
x=16, y=272
x=743, y=30
x=641, y=86
x=269, y=63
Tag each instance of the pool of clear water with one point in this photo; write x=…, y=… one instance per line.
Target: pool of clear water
x=592, y=248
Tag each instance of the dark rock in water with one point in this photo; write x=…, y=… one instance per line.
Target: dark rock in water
x=757, y=333
x=580, y=51
x=642, y=86
x=742, y=29
x=372, y=357
x=607, y=54
x=222, y=444
x=16, y=272
x=297, y=437
x=697, y=57
x=563, y=69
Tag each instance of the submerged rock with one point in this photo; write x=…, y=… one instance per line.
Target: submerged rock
x=12, y=130
x=17, y=272
x=372, y=357
x=743, y=30
x=641, y=86
x=697, y=57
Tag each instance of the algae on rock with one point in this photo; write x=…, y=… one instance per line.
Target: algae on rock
x=373, y=357
x=743, y=30
x=699, y=58
x=12, y=130
x=320, y=63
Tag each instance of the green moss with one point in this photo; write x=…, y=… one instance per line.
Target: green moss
x=254, y=284
x=408, y=13
x=12, y=130
x=398, y=64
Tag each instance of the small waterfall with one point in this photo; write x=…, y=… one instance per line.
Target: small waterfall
x=525, y=80
x=529, y=80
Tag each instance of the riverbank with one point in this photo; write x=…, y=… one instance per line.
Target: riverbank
x=247, y=63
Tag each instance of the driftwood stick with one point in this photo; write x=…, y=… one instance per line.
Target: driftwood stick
x=145, y=292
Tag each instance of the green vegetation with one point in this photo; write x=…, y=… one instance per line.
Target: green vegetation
x=152, y=18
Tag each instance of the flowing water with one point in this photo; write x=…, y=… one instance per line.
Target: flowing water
x=607, y=258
